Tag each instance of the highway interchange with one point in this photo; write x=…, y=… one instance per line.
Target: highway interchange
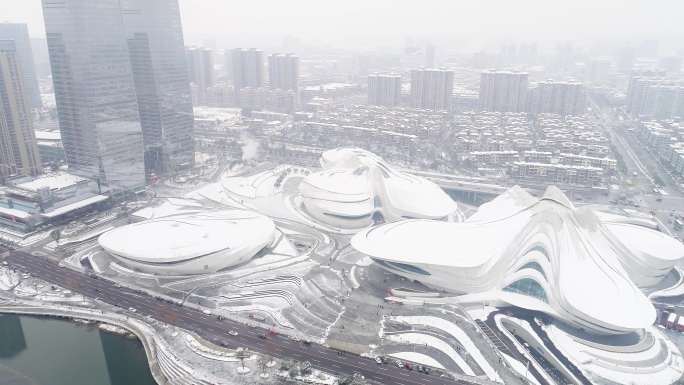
x=216, y=331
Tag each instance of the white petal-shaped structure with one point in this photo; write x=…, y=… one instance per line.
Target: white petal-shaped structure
x=190, y=243
x=356, y=185
x=649, y=255
x=540, y=254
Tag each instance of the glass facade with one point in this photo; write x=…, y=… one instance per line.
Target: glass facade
x=157, y=51
x=528, y=287
x=18, y=150
x=19, y=34
x=402, y=267
x=94, y=90
x=535, y=266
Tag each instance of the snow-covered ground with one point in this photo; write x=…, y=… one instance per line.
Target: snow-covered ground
x=521, y=369
x=8, y=279
x=523, y=350
x=459, y=335
x=434, y=342
x=418, y=358
x=659, y=364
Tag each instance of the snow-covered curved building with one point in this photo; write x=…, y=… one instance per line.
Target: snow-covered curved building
x=355, y=187
x=540, y=254
x=190, y=243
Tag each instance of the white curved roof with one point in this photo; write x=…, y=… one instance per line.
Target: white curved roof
x=432, y=203
x=421, y=241
x=648, y=241
x=352, y=175
x=337, y=184
x=587, y=265
x=182, y=237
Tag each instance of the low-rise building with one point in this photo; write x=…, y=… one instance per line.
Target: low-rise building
x=549, y=173
x=28, y=202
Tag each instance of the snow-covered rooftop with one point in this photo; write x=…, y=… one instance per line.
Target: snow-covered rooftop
x=56, y=181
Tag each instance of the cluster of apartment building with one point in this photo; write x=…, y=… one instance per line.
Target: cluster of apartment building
x=245, y=84
x=490, y=131
x=655, y=98
x=431, y=89
x=571, y=134
x=500, y=91
x=511, y=91
x=403, y=135
x=550, y=149
x=421, y=123
x=666, y=139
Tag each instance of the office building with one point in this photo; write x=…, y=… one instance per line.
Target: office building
x=432, y=89
x=19, y=34
x=562, y=98
x=28, y=202
x=247, y=68
x=18, y=150
x=155, y=40
x=200, y=63
x=95, y=92
x=283, y=72
x=503, y=91
x=384, y=90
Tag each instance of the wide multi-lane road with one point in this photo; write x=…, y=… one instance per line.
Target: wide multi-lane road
x=216, y=331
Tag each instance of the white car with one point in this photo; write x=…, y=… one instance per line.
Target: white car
x=132, y=309
x=206, y=312
x=233, y=333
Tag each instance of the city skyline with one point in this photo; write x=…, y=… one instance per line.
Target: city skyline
x=473, y=25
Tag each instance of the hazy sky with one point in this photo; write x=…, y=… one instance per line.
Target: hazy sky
x=368, y=22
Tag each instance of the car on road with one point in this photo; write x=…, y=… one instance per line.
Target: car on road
x=206, y=312
x=233, y=333
x=132, y=309
x=262, y=336
x=378, y=360
x=257, y=317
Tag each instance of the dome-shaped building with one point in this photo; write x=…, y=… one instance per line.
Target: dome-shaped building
x=190, y=243
x=354, y=186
